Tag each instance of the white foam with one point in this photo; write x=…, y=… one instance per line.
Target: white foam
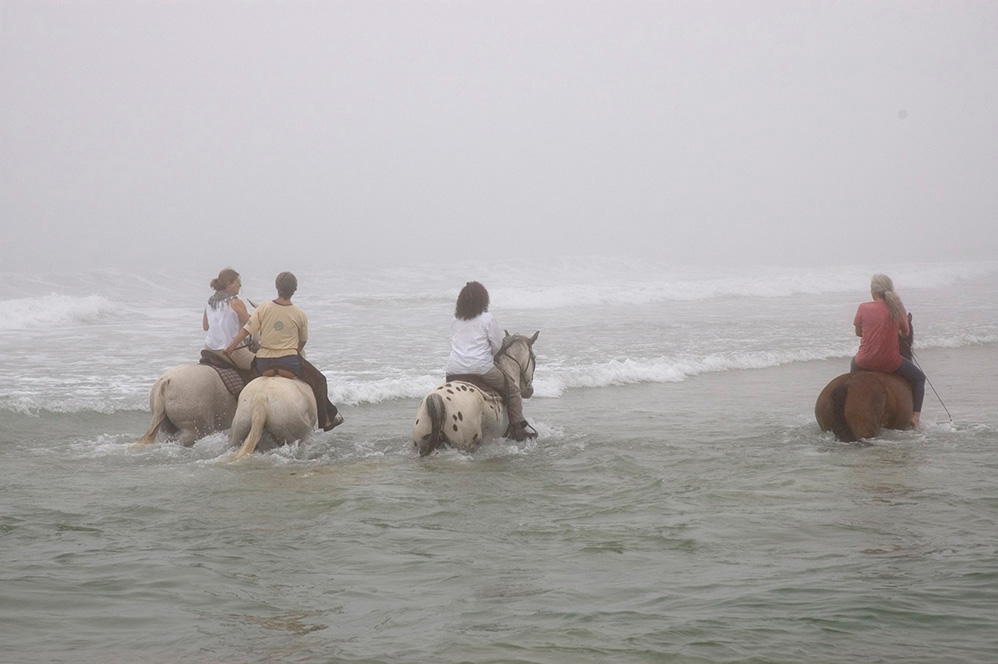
x=610, y=285
x=52, y=310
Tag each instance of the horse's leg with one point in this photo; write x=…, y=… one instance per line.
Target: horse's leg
x=188, y=437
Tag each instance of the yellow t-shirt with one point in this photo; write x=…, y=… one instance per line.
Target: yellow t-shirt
x=281, y=327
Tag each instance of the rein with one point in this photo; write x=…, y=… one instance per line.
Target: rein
x=531, y=361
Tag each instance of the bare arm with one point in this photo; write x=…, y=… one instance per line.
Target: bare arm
x=243, y=333
x=240, y=309
x=204, y=321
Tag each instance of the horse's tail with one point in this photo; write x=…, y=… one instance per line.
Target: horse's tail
x=259, y=412
x=839, y=425
x=158, y=406
x=435, y=410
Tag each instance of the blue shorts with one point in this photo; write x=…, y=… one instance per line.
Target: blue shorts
x=289, y=362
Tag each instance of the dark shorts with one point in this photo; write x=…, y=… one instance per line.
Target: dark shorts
x=290, y=362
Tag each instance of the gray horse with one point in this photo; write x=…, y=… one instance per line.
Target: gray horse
x=284, y=408
x=189, y=402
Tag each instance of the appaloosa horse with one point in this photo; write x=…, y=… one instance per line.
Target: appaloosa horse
x=856, y=405
x=462, y=414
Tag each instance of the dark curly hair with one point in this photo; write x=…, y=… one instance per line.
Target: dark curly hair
x=472, y=301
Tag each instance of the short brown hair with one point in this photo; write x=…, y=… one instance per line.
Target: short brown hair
x=286, y=284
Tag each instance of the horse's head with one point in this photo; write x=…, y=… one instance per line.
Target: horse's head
x=521, y=350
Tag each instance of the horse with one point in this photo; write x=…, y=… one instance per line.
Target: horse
x=462, y=414
x=856, y=405
x=190, y=400
x=283, y=407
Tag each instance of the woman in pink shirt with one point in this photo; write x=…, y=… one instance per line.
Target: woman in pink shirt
x=880, y=324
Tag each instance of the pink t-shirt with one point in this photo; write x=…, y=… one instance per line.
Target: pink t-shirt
x=878, y=347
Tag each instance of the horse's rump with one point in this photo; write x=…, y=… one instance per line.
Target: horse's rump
x=281, y=408
x=856, y=405
x=191, y=400
x=457, y=414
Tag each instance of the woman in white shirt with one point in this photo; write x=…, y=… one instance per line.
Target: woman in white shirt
x=224, y=316
x=475, y=339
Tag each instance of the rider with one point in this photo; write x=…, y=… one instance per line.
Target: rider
x=879, y=324
x=283, y=331
x=475, y=339
x=223, y=316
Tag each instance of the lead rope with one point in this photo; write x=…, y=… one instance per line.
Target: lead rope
x=918, y=364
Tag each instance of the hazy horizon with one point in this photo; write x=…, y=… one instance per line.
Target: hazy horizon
x=231, y=133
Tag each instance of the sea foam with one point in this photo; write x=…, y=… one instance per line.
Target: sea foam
x=52, y=310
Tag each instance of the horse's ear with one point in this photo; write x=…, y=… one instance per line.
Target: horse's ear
x=507, y=334
x=534, y=338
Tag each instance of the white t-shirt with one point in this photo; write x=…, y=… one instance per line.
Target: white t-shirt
x=473, y=343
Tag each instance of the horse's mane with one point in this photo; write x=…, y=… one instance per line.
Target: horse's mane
x=907, y=344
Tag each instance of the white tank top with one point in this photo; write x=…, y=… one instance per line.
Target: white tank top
x=223, y=325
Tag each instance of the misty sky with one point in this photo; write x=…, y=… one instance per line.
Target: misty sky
x=207, y=133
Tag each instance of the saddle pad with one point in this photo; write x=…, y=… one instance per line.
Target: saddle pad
x=231, y=378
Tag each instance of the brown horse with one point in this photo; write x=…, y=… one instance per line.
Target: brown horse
x=856, y=405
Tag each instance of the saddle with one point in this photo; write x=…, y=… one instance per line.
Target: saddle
x=233, y=379
x=476, y=380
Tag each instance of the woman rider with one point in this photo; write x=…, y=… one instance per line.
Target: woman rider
x=283, y=331
x=475, y=339
x=879, y=324
x=223, y=316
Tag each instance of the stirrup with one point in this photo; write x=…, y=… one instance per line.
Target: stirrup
x=338, y=420
x=523, y=431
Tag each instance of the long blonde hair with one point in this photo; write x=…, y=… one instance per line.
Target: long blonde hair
x=882, y=286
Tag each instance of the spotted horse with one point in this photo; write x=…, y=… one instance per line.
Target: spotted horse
x=463, y=414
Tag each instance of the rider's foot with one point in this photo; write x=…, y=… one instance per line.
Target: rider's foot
x=520, y=434
x=335, y=422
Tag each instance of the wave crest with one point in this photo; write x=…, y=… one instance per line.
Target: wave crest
x=53, y=310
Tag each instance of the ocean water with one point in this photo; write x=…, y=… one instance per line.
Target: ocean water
x=680, y=504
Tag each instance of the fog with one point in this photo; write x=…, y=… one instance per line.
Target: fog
x=167, y=133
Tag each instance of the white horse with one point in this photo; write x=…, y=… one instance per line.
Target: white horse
x=189, y=401
x=462, y=415
x=284, y=408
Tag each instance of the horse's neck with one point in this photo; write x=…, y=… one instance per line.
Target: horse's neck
x=509, y=362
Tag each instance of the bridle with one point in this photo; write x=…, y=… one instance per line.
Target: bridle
x=525, y=379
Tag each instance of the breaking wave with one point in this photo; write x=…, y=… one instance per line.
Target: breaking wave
x=53, y=310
